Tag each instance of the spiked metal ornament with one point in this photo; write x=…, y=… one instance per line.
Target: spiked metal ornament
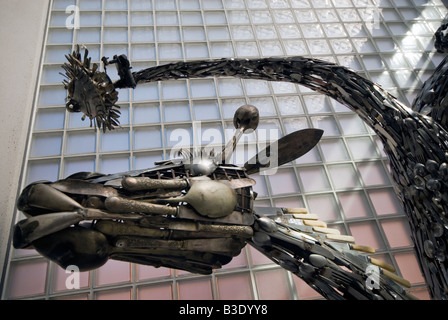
x=90, y=91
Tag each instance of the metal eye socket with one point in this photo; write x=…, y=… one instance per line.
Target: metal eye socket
x=72, y=106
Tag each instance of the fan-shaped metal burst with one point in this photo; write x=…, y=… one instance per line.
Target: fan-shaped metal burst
x=90, y=91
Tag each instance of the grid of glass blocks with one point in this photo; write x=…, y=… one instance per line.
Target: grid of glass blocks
x=344, y=179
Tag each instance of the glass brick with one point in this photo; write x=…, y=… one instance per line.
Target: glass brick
x=354, y=205
x=140, y=5
x=205, y=110
x=90, y=19
x=318, y=47
x=367, y=233
x=283, y=182
x=289, y=31
x=46, y=145
x=168, y=34
x=242, y=33
x=327, y=15
x=114, y=163
x=362, y=148
x=117, y=294
x=314, y=179
x=212, y=4
x=271, y=48
x=238, y=17
x=397, y=232
x=385, y=202
x=214, y=17
x=170, y=51
x=234, y=287
x=115, y=5
x=218, y=33
x=272, y=285
x=80, y=142
x=324, y=205
x=166, y=18
x=196, y=50
x=373, y=173
x=247, y=49
x=266, y=32
x=283, y=16
x=261, y=17
x=115, y=18
x=199, y=289
x=189, y=4
x=162, y=291
x=115, y=141
x=146, y=138
x=27, y=278
x=89, y=4
x=47, y=119
x=409, y=267
x=343, y=176
x=165, y=4
x=334, y=150
x=221, y=49
x=293, y=124
x=78, y=164
x=144, y=160
x=341, y=46
x=42, y=170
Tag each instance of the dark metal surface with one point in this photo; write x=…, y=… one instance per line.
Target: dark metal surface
x=284, y=150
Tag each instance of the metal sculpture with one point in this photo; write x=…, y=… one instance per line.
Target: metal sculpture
x=169, y=215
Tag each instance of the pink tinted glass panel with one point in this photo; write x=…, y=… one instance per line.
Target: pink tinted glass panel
x=272, y=285
x=421, y=293
x=155, y=292
x=60, y=277
x=149, y=272
x=373, y=173
x=260, y=186
x=324, y=206
x=238, y=261
x=408, y=264
x=385, y=201
x=27, y=278
x=397, y=232
x=120, y=294
x=82, y=296
x=113, y=272
x=284, y=181
x=234, y=287
x=289, y=203
x=383, y=257
x=354, y=205
x=304, y=291
x=314, y=179
x=200, y=289
x=258, y=257
x=366, y=233
x=17, y=253
x=343, y=176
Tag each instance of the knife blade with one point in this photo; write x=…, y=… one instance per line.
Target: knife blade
x=284, y=150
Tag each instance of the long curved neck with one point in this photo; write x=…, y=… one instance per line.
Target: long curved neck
x=377, y=108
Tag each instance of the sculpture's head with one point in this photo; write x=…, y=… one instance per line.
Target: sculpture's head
x=246, y=117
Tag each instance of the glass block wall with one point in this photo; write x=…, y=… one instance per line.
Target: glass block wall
x=344, y=179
